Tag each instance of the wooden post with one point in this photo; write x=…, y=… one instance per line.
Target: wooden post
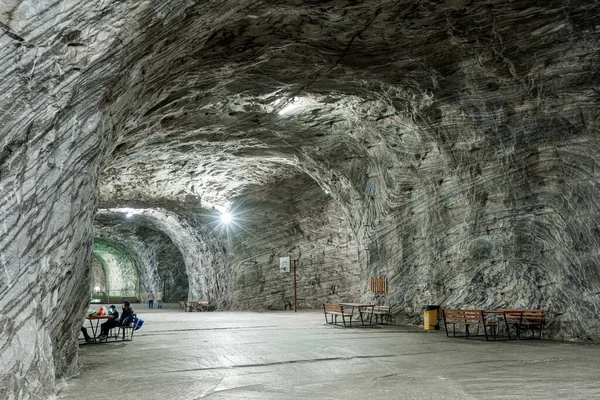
x=294, y=285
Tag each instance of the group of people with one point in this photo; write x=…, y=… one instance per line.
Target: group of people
x=126, y=316
x=113, y=321
x=159, y=300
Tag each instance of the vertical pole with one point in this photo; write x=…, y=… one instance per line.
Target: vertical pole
x=294, y=285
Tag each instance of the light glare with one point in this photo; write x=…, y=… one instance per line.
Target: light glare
x=226, y=217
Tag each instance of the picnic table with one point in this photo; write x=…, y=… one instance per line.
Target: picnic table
x=96, y=318
x=494, y=319
x=362, y=309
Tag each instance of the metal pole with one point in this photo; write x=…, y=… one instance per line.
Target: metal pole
x=294, y=285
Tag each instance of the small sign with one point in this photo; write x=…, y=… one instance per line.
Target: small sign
x=284, y=264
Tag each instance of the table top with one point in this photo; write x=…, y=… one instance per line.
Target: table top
x=357, y=305
x=98, y=317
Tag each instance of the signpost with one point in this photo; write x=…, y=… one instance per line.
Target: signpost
x=284, y=266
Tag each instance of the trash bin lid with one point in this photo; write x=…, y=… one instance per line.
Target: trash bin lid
x=431, y=307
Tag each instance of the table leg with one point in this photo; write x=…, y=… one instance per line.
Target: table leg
x=94, y=329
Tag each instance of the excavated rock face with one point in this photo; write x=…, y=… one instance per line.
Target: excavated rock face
x=295, y=218
x=156, y=262
x=457, y=141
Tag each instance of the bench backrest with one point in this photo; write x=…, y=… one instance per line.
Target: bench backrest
x=532, y=316
x=463, y=317
x=381, y=309
x=332, y=308
x=202, y=302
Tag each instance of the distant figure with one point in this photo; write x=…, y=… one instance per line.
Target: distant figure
x=150, y=299
x=159, y=299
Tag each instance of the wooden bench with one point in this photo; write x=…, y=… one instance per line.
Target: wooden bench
x=182, y=305
x=528, y=319
x=191, y=306
x=469, y=318
x=381, y=312
x=334, y=310
x=204, y=305
x=122, y=329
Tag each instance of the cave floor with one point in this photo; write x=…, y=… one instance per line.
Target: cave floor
x=282, y=355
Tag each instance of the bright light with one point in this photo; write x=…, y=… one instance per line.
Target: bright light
x=128, y=215
x=97, y=289
x=226, y=217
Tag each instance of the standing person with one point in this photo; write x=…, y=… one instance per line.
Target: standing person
x=159, y=299
x=150, y=299
x=110, y=323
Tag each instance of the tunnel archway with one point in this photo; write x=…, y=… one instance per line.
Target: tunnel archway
x=122, y=269
x=161, y=264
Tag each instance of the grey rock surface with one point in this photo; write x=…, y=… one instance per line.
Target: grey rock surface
x=457, y=141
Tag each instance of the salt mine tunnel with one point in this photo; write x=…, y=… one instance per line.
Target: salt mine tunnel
x=450, y=146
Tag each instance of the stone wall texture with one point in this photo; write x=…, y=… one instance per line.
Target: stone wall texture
x=457, y=141
x=294, y=218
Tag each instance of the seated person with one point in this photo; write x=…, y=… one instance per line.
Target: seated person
x=85, y=335
x=127, y=313
x=126, y=318
x=110, y=323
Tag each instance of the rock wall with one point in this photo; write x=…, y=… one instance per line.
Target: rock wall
x=50, y=156
x=98, y=275
x=295, y=218
x=477, y=188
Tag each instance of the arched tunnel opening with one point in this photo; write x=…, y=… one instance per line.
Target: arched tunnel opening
x=386, y=153
x=121, y=271
x=140, y=257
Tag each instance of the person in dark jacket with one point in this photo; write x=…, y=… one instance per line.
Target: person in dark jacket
x=127, y=313
x=109, y=324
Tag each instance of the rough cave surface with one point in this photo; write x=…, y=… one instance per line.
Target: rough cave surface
x=449, y=145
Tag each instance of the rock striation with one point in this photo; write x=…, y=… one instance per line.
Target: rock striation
x=449, y=145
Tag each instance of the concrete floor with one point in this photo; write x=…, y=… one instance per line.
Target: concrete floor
x=282, y=355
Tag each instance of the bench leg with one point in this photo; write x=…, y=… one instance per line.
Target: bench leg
x=507, y=327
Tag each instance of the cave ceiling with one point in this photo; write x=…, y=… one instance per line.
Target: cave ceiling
x=209, y=105
x=201, y=100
